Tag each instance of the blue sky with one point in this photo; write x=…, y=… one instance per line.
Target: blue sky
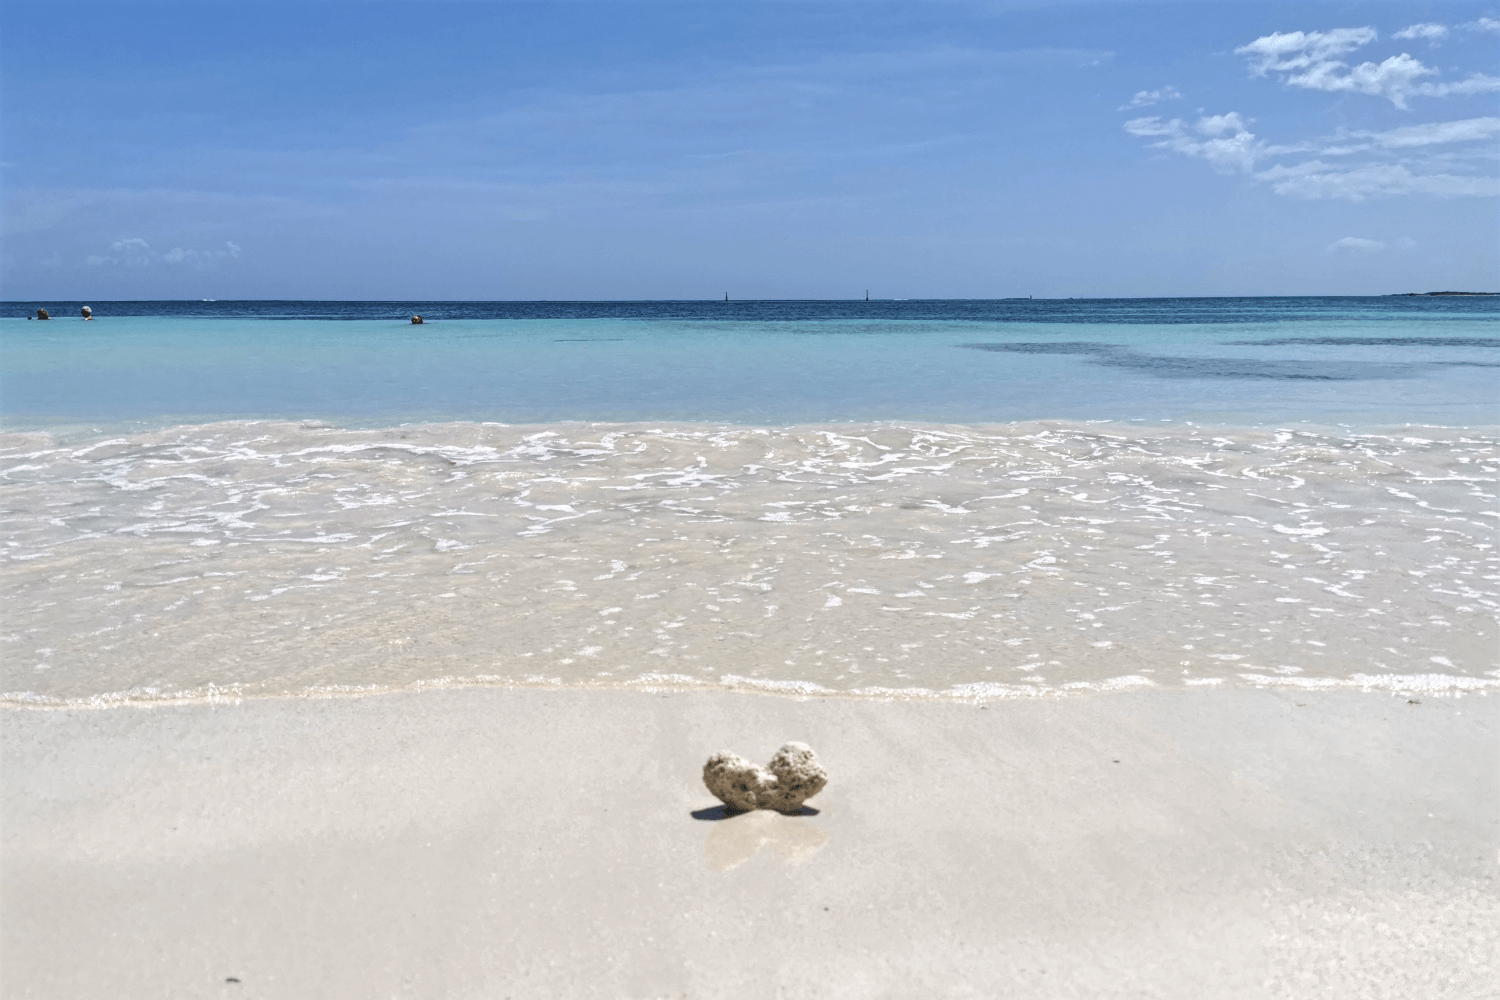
x=810, y=149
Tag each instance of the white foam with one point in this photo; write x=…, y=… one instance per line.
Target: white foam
x=778, y=686
x=272, y=558
x=1434, y=684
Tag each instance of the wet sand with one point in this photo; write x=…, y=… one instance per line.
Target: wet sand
x=534, y=843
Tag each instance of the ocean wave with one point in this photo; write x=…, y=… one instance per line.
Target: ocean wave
x=1431, y=685
x=263, y=559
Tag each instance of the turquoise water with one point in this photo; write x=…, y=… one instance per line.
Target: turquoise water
x=1378, y=361
x=882, y=499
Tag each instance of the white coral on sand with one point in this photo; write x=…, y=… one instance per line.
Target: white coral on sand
x=793, y=776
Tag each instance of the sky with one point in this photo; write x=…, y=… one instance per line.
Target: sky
x=807, y=149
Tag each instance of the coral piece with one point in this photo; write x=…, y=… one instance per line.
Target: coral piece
x=793, y=776
x=735, y=781
x=799, y=777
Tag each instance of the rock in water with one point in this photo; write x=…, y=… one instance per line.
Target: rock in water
x=793, y=776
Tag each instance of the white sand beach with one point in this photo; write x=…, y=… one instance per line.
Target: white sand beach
x=431, y=433
x=534, y=843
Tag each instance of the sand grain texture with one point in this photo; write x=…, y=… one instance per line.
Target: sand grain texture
x=526, y=843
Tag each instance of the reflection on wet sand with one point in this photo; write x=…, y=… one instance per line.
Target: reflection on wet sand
x=735, y=840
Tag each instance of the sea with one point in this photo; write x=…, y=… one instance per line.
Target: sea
x=889, y=499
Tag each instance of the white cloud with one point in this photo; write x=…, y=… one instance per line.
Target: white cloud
x=1226, y=142
x=1285, y=52
x=133, y=252
x=1153, y=126
x=1431, y=32
x=1360, y=246
x=1488, y=24
x=1223, y=140
x=1479, y=83
x=1146, y=98
x=1434, y=133
x=1309, y=60
x=136, y=252
x=1355, y=244
x=198, y=258
x=1394, y=79
x=1392, y=163
x=1316, y=180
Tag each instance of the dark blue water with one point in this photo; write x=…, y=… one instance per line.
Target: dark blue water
x=1394, y=308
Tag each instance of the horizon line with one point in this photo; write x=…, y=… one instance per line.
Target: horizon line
x=1003, y=298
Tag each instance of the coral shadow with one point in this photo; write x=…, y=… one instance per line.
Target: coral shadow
x=713, y=814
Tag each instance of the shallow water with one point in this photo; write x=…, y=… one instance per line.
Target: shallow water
x=292, y=498
x=276, y=557
x=1243, y=362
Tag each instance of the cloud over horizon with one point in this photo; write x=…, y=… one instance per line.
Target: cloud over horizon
x=136, y=252
x=1355, y=244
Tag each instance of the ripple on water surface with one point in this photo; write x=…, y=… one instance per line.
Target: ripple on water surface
x=886, y=560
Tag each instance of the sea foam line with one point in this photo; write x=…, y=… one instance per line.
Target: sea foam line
x=1431, y=685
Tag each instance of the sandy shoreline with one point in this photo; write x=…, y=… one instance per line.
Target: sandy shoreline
x=1045, y=556
x=493, y=842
